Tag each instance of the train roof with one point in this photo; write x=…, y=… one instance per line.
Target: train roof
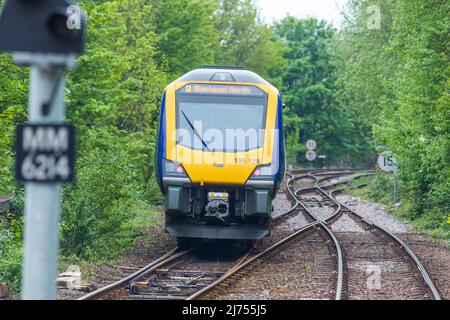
x=223, y=74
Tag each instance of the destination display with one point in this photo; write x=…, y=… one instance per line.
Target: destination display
x=220, y=89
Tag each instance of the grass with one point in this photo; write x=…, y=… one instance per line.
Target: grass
x=134, y=229
x=11, y=251
x=11, y=247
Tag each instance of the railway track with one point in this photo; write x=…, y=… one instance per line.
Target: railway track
x=378, y=245
x=164, y=279
x=170, y=277
x=314, y=225
x=158, y=280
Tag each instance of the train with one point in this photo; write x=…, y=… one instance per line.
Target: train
x=220, y=154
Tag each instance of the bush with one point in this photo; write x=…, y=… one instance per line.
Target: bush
x=11, y=253
x=110, y=191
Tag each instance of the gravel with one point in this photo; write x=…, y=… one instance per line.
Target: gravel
x=374, y=212
x=301, y=270
x=376, y=270
x=435, y=256
x=281, y=203
x=346, y=224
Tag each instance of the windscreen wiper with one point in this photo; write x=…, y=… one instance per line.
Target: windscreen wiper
x=195, y=131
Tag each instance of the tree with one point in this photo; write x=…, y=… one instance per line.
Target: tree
x=246, y=41
x=309, y=90
x=396, y=80
x=13, y=111
x=418, y=125
x=187, y=36
x=364, y=64
x=113, y=98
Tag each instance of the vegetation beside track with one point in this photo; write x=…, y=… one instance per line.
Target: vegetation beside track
x=397, y=79
x=379, y=188
x=114, y=243
x=11, y=253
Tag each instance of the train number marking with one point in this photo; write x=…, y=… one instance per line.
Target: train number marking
x=247, y=161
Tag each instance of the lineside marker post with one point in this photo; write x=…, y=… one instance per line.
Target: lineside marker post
x=386, y=162
x=42, y=200
x=45, y=146
x=395, y=186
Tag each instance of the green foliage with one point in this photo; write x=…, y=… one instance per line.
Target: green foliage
x=363, y=62
x=419, y=127
x=246, y=41
x=11, y=252
x=238, y=23
x=397, y=80
x=116, y=83
x=187, y=36
x=13, y=107
x=110, y=192
x=113, y=99
x=309, y=92
x=379, y=188
x=9, y=118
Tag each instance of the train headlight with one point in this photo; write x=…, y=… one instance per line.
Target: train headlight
x=175, y=169
x=263, y=172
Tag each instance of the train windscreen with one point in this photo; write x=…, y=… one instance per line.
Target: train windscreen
x=221, y=122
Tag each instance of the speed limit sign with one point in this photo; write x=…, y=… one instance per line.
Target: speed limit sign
x=311, y=156
x=311, y=145
x=387, y=162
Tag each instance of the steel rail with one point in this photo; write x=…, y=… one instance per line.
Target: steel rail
x=250, y=260
x=352, y=177
x=172, y=255
x=297, y=204
x=166, y=258
x=246, y=262
x=412, y=256
x=323, y=225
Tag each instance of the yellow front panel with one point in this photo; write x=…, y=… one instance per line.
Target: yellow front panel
x=219, y=167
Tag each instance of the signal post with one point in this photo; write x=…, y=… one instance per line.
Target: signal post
x=45, y=146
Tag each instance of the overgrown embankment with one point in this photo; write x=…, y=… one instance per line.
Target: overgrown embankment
x=379, y=188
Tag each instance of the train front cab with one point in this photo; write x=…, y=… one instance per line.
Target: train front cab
x=211, y=200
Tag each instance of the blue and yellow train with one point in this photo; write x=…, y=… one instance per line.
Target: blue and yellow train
x=220, y=155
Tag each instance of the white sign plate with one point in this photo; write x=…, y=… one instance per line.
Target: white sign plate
x=387, y=162
x=311, y=156
x=311, y=145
